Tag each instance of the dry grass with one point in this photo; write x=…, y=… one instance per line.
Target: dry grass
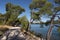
x=4, y=27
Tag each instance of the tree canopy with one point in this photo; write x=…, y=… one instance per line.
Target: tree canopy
x=12, y=13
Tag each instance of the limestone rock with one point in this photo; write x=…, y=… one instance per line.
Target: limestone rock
x=17, y=34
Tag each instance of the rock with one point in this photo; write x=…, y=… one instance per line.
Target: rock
x=17, y=34
x=14, y=28
x=4, y=38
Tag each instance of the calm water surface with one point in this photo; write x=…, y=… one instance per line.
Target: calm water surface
x=43, y=30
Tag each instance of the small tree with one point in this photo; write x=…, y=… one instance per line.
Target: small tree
x=24, y=22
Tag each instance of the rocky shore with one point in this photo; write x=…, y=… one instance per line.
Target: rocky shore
x=17, y=34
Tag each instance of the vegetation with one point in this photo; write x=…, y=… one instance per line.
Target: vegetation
x=12, y=13
x=45, y=7
x=24, y=22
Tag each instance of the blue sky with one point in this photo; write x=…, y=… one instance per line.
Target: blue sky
x=22, y=3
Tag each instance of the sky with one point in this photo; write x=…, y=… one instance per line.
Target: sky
x=23, y=3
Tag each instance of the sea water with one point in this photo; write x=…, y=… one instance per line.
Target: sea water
x=38, y=29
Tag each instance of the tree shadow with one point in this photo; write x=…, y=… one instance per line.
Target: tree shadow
x=17, y=38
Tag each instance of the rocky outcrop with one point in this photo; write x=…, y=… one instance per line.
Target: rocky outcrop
x=17, y=34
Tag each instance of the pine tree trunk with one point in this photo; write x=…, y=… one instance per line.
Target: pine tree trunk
x=27, y=29
x=51, y=27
